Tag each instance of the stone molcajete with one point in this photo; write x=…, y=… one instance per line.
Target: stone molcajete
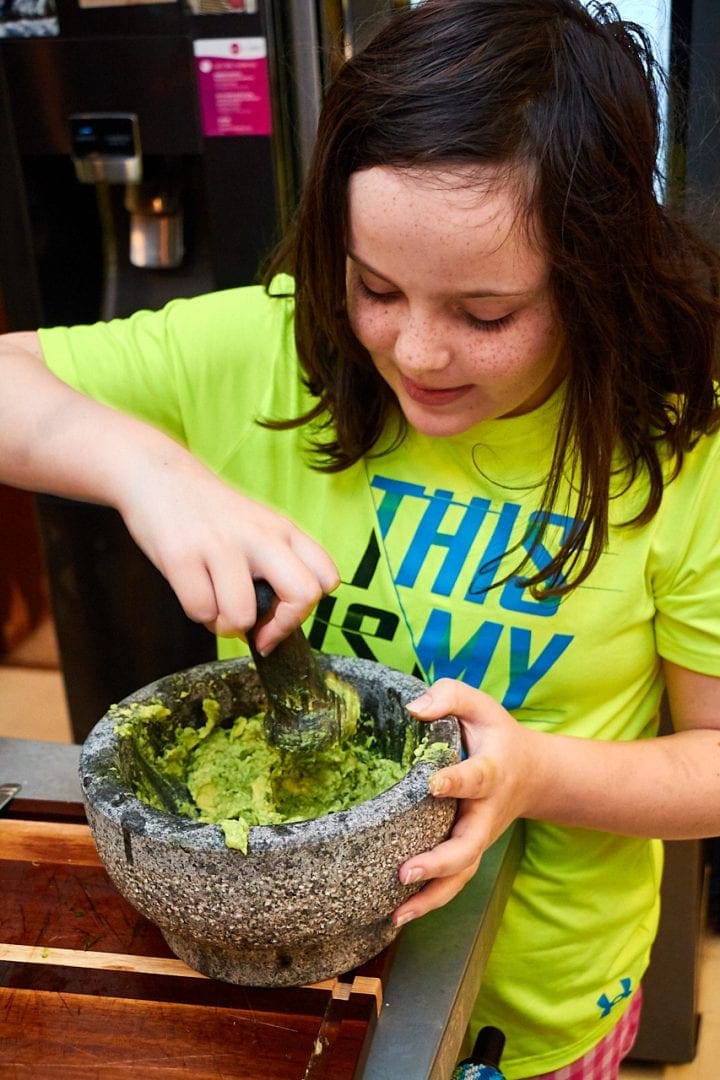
x=310, y=899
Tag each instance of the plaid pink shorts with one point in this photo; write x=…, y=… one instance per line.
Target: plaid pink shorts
x=603, y=1061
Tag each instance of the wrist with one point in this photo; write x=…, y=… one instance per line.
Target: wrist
x=541, y=774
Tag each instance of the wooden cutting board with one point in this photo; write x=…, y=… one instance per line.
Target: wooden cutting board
x=90, y=991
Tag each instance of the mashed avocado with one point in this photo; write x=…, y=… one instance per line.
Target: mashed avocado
x=230, y=776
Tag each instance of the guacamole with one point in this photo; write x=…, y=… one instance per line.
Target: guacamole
x=228, y=774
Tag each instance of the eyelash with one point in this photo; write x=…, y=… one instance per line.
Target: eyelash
x=484, y=325
x=488, y=325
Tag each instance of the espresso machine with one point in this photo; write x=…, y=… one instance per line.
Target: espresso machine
x=150, y=151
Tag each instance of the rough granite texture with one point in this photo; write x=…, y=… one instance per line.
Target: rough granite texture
x=311, y=899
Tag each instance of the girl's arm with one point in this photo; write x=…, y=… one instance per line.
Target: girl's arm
x=207, y=539
x=667, y=787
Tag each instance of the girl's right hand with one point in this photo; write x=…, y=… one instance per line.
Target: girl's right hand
x=205, y=537
x=211, y=542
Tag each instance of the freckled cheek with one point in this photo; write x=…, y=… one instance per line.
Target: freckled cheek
x=534, y=350
x=544, y=338
x=515, y=361
x=372, y=329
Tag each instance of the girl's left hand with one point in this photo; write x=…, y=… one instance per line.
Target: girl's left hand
x=491, y=784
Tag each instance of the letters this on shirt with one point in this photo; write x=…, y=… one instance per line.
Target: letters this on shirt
x=433, y=586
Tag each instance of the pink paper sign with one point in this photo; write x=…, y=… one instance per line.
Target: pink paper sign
x=233, y=86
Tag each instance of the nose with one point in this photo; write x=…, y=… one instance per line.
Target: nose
x=421, y=343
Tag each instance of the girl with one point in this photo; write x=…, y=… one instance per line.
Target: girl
x=480, y=376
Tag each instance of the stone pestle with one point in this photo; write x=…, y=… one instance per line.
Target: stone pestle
x=306, y=711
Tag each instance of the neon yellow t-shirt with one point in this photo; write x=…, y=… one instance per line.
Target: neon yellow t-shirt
x=418, y=535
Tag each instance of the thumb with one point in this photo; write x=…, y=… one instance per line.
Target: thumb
x=450, y=696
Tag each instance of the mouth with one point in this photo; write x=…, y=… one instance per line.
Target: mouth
x=430, y=395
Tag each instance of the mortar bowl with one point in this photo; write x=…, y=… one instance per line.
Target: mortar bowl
x=310, y=899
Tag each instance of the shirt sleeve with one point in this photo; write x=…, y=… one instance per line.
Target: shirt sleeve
x=199, y=369
x=685, y=563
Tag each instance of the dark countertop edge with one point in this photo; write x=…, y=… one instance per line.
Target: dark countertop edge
x=437, y=971
x=46, y=770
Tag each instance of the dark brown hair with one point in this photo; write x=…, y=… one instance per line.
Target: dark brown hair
x=571, y=93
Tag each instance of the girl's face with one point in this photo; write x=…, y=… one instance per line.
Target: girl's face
x=449, y=295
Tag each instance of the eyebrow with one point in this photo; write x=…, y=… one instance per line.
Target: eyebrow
x=474, y=294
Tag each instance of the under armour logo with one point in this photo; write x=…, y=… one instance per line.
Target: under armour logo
x=607, y=1004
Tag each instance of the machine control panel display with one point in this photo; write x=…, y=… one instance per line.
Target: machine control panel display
x=105, y=147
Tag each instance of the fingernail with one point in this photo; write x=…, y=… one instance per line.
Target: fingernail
x=419, y=703
x=411, y=876
x=406, y=917
x=439, y=785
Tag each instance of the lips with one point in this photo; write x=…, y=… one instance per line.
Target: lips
x=429, y=395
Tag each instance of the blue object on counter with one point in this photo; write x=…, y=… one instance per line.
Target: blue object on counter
x=484, y=1062
x=470, y=1070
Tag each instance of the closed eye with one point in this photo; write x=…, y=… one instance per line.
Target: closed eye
x=488, y=324
x=373, y=294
